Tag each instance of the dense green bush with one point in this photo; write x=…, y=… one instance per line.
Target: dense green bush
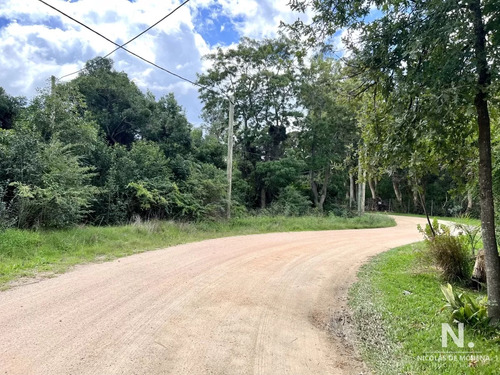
x=63, y=195
x=291, y=202
x=449, y=252
x=203, y=195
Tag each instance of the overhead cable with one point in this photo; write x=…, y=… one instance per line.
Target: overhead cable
x=121, y=46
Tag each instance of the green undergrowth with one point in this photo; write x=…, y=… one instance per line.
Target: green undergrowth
x=26, y=253
x=396, y=308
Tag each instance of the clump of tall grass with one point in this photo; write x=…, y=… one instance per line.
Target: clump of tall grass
x=449, y=253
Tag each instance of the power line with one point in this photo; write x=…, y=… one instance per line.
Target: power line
x=131, y=40
x=121, y=47
x=231, y=99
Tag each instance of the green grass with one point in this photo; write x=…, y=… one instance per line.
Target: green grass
x=396, y=330
x=30, y=253
x=461, y=220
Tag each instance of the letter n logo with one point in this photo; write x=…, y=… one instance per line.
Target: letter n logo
x=447, y=330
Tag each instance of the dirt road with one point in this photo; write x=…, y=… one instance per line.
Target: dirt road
x=241, y=305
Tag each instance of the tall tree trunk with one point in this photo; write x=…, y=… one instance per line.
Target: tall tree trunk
x=314, y=189
x=371, y=183
x=324, y=188
x=263, y=198
x=363, y=197
x=470, y=201
x=415, y=200
x=361, y=190
x=492, y=259
x=397, y=192
x=321, y=203
x=351, y=190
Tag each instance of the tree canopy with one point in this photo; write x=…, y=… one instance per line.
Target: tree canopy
x=402, y=112
x=436, y=63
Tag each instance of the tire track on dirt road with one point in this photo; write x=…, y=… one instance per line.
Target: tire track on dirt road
x=241, y=305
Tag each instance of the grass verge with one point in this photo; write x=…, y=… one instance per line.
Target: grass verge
x=396, y=305
x=30, y=253
x=460, y=220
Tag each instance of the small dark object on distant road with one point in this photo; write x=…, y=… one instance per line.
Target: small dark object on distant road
x=381, y=205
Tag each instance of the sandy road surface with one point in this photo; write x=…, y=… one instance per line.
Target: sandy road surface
x=240, y=305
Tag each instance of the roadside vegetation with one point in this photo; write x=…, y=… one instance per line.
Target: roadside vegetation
x=460, y=219
x=407, y=118
x=403, y=297
x=26, y=253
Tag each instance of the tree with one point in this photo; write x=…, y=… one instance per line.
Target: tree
x=208, y=149
x=19, y=155
x=61, y=197
x=46, y=180
x=276, y=175
x=98, y=150
x=329, y=127
x=168, y=126
x=115, y=102
x=62, y=115
x=261, y=76
x=203, y=194
x=445, y=49
x=137, y=182
x=9, y=109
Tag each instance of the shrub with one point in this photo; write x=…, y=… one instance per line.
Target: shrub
x=63, y=195
x=291, y=202
x=203, y=195
x=452, y=257
x=466, y=310
x=448, y=252
x=342, y=211
x=439, y=230
x=472, y=233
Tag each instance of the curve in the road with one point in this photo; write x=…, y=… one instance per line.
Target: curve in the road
x=241, y=305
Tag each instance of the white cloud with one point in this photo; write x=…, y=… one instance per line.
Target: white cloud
x=261, y=19
x=39, y=42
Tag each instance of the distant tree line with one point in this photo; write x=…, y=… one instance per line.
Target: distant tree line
x=97, y=150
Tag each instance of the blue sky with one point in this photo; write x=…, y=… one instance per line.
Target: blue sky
x=37, y=42
x=217, y=28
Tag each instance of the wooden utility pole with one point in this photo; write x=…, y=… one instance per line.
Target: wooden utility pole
x=230, y=155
